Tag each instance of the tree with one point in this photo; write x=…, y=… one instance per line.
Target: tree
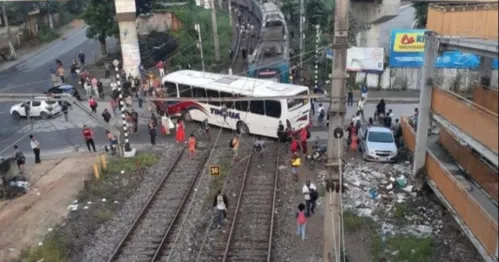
x=421, y=14
x=316, y=13
x=100, y=17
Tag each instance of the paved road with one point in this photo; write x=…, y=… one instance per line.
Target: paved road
x=405, y=19
x=32, y=76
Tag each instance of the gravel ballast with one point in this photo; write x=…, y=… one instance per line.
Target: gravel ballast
x=110, y=233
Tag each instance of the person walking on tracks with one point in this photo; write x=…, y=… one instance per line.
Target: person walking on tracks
x=180, y=134
x=152, y=132
x=310, y=194
x=259, y=148
x=221, y=203
x=295, y=164
x=234, y=144
x=192, y=145
x=301, y=220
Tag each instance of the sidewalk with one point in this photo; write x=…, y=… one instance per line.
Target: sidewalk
x=24, y=54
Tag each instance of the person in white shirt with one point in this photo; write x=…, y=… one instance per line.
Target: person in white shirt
x=36, y=148
x=310, y=194
x=322, y=113
x=221, y=204
x=356, y=120
x=360, y=107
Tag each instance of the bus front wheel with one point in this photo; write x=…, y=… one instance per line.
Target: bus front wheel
x=242, y=128
x=186, y=116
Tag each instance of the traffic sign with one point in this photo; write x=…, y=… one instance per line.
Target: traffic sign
x=215, y=170
x=329, y=53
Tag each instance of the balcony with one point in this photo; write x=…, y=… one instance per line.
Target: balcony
x=470, y=20
x=474, y=211
x=486, y=97
x=477, y=125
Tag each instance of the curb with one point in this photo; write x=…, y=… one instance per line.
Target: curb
x=40, y=50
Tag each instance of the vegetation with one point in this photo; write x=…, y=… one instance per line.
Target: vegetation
x=141, y=160
x=421, y=14
x=404, y=248
x=353, y=222
x=187, y=53
x=100, y=17
x=400, y=210
x=46, y=35
x=67, y=240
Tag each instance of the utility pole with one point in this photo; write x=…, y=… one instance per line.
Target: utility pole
x=200, y=44
x=230, y=12
x=316, y=69
x=332, y=214
x=302, y=18
x=9, y=33
x=216, y=44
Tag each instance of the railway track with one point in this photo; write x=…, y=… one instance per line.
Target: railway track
x=247, y=236
x=157, y=224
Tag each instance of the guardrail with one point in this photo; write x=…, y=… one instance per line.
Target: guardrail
x=483, y=174
x=486, y=97
x=481, y=224
x=475, y=120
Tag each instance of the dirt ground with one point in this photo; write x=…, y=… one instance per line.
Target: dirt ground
x=55, y=183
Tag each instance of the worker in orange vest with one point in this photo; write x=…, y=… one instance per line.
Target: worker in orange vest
x=192, y=145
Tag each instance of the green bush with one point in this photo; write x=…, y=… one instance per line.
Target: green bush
x=142, y=160
x=187, y=52
x=46, y=35
x=54, y=248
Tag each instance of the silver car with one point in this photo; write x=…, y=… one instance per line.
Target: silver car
x=378, y=144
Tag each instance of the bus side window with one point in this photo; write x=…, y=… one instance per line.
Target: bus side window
x=214, y=94
x=273, y=108
x=184, y=90
x=257, y=107
x=242, y=106
x=199, y=92
x=171, y=89
x=228, y=104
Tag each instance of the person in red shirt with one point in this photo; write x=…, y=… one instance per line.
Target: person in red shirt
x=161, y=68
x=93, y=104
x=294, y=145
x=303, y=139
x=88, y=135
x=192, y=146
x=180, y=135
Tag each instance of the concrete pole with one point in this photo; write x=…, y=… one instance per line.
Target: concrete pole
x=200, y=44
x=426, y=87
x=316, y=70
x=129, y=40
x=230, y=12
x=302, y=17
x=337, y=110
x=216, y=43
x=9, y=33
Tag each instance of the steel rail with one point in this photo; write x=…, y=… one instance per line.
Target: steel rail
x=269, y=255
x=144, y=209
x=239, y=199
x=233, y=224
x=157, y=254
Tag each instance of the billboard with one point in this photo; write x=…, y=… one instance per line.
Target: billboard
x=365, y=59
x=406, y=48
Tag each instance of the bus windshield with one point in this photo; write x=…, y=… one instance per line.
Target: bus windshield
x=171, y=89
x=295, y=103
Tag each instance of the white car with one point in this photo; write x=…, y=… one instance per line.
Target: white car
x=37, y=108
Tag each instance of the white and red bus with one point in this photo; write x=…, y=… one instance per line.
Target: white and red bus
x=258, y=117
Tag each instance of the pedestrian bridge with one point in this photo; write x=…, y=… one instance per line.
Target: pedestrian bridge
x=461, y=165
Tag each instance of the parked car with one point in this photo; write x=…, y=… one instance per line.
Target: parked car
x=69, y=89
x=378, y=144
x=37, y=108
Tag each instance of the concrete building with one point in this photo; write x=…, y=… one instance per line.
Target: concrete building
x=461, y=161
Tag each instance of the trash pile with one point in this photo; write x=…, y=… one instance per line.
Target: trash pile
x=385, y=194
